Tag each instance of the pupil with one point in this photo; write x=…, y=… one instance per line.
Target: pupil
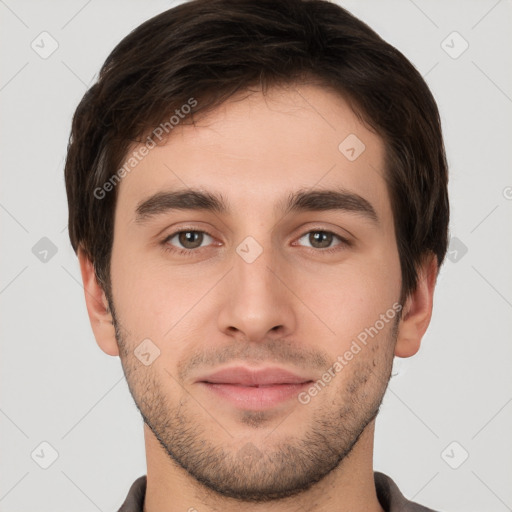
x=191, y=239
x=320, y=239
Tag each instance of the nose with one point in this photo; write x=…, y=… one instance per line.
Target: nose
x=258, y=304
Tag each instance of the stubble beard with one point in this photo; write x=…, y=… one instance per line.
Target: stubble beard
x=283, y=466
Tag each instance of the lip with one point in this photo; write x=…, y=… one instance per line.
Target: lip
x=243, y=376
x=254, y=389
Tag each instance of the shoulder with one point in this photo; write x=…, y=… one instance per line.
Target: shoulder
x=134, y=501
x=390, y=497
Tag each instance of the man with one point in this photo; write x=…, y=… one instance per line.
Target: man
x=258, y=199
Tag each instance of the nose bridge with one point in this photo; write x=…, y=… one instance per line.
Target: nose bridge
x=252, y=271
x=258, y=302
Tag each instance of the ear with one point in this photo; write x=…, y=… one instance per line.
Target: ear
x=97, y=307
x=417, y=309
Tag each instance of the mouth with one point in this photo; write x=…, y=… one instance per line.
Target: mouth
x=254, y=389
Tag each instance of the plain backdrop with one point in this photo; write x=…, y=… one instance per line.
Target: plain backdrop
x=444, y=429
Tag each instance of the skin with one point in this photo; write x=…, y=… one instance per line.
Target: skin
x=295, y=306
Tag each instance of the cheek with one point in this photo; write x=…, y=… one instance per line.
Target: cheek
x=159, y=302
x=138, y=295
x=351, y=297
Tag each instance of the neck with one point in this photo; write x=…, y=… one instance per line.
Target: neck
x=349, y=487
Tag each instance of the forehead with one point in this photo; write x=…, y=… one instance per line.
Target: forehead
x=257, y=148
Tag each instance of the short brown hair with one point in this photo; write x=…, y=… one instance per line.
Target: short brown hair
x=211, y=49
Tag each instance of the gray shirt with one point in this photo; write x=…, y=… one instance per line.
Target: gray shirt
x=390, y=497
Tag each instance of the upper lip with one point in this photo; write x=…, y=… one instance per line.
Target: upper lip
x=244, y=376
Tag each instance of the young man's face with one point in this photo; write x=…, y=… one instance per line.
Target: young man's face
x=256, y=287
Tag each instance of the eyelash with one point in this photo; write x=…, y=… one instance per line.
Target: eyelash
x=191, y=252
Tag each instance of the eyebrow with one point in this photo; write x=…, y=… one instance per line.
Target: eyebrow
x=301, y=200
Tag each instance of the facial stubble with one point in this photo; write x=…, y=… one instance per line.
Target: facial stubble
x=253, y=472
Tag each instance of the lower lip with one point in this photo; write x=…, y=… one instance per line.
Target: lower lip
x=256, y=398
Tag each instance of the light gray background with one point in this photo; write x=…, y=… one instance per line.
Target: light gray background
x=56, y=384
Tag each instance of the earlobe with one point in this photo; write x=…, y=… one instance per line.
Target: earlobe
x=97, y=307
x=417, y=310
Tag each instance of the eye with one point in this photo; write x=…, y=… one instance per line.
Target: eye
x=320, y=239
x=188, y=239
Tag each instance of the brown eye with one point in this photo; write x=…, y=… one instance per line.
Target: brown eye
x=320, y=239
x=188, y=239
